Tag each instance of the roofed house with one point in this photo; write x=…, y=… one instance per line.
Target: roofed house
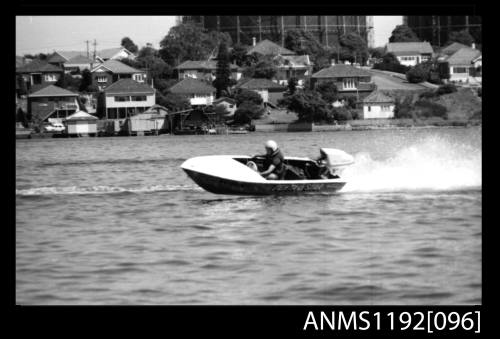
x=126, y=98
x=111, y=71
x=228, y=103
x=410, y=53
x=81, y=124
x=267, y=47
x=298, y=66
x=465, y=65
x=78, y=64
x=58, y=58
x=452, y=48
x=39, y=72
x=270, y=91
x=378, y=106
x=349, y=80
x=198, y=92
x=52, y=103
x=204, y=70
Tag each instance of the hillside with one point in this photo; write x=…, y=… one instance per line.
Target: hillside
x=462, y=104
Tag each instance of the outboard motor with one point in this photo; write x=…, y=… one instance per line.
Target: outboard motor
x=336, y=160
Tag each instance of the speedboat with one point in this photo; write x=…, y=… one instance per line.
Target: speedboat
x=233, y=174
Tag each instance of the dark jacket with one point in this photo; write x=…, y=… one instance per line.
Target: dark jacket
x=277, y=159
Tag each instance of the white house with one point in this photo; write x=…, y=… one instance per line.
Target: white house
x=114, y=54
x=198, y=92
x=465, y=65
x=270, y=91
x=378, y=106
x=410, y=53
x=126, y=98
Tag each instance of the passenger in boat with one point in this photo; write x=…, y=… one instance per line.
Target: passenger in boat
x=324, y=172
x=273, y=162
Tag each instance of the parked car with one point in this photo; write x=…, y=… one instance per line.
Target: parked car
x=54, y=127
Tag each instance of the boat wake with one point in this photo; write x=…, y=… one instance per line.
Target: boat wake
x=434, y=164
x=82, y=190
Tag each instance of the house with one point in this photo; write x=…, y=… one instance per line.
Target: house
x=38, y=72
x=111, y=71
x=410, y=53
x=267, y=47
x=77, y=64
x=118, y=53
x=198, y=92
x=150, y=121
x=452, y=48
x=228, y=103
x=58, y=58
x=81, y=124
x=126, y=98
x=298, y=66
x=52, y=103
x=270, y=91
x=204, y=70
x=350, y=80
x=378, y=106
x=465, y=65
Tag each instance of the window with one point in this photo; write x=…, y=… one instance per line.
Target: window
x=459, y=70
x=349, y=83
x=112, y=113
x=102, y=79
x=386, y=108
x=138, y=77
x=139, y=98
x=122, y=98
x=50, y=77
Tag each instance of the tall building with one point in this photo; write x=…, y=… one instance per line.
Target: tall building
x=326, y=29
x=436, y=29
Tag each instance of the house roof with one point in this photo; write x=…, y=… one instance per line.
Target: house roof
x=267, y=47
x=377, y=97
x=128, y=86
x=111, y=52
x=203, y=64
x=117, y=67
x=258, y=83
x=449, y=50
x=294, y=60
x=52, y=91
x=63, y=56
x=409, y=48
x=38, y=65
x=79, y=59
x=81, y=115
x=464, y=56
x=341, y=71
x=20, y=61
x=221, y=99
x=192, y=86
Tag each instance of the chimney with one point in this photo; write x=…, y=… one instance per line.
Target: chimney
x=254, y=41
x=473, y=46
x=332, y=63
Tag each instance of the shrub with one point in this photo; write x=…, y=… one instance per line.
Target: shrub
x=446, y=89
x=427, y=109
x=403, y=109
x=248, y=111
x=428, y=94
x=417, y=74
x=480, y=92
x=342, y=114
x=245, y=95
x=327, y=90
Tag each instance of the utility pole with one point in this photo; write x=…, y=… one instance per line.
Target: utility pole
x=260, y=28
x=87, y=41
x=282, y=31
x=238, y=29
x=326, y=30
x=95, y=44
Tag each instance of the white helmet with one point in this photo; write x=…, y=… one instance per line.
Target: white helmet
x=272, y=145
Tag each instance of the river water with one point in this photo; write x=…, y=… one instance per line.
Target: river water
x=116, y=221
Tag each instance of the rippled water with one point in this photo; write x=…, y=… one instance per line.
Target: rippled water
x=116, y=221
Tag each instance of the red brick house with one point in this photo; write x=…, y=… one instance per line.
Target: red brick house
x=38, y=72
x=111, y=71
x=349, y=80
x=52, y=102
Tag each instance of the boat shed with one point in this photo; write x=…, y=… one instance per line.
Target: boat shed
x=153, y=121
x=378, y=106
x=81, y=124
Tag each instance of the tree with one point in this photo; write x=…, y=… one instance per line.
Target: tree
x=308, y=105
x=129, y=44
x=66, y=81
x=86, y=80
x=292, y=85
x=245, y=95
x=356, y=46
x=221, y=111
x=390, y=58
x=403, y=33
x=376, y=52
x=21, y=117
x=247, y=112
x=342, y=114
x=239, y=56
x=462, y=37
x=223, y=72
x=327, y=90
x=188, y=42
x=173, y=102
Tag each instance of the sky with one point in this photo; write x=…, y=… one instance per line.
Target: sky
x=44, y=34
